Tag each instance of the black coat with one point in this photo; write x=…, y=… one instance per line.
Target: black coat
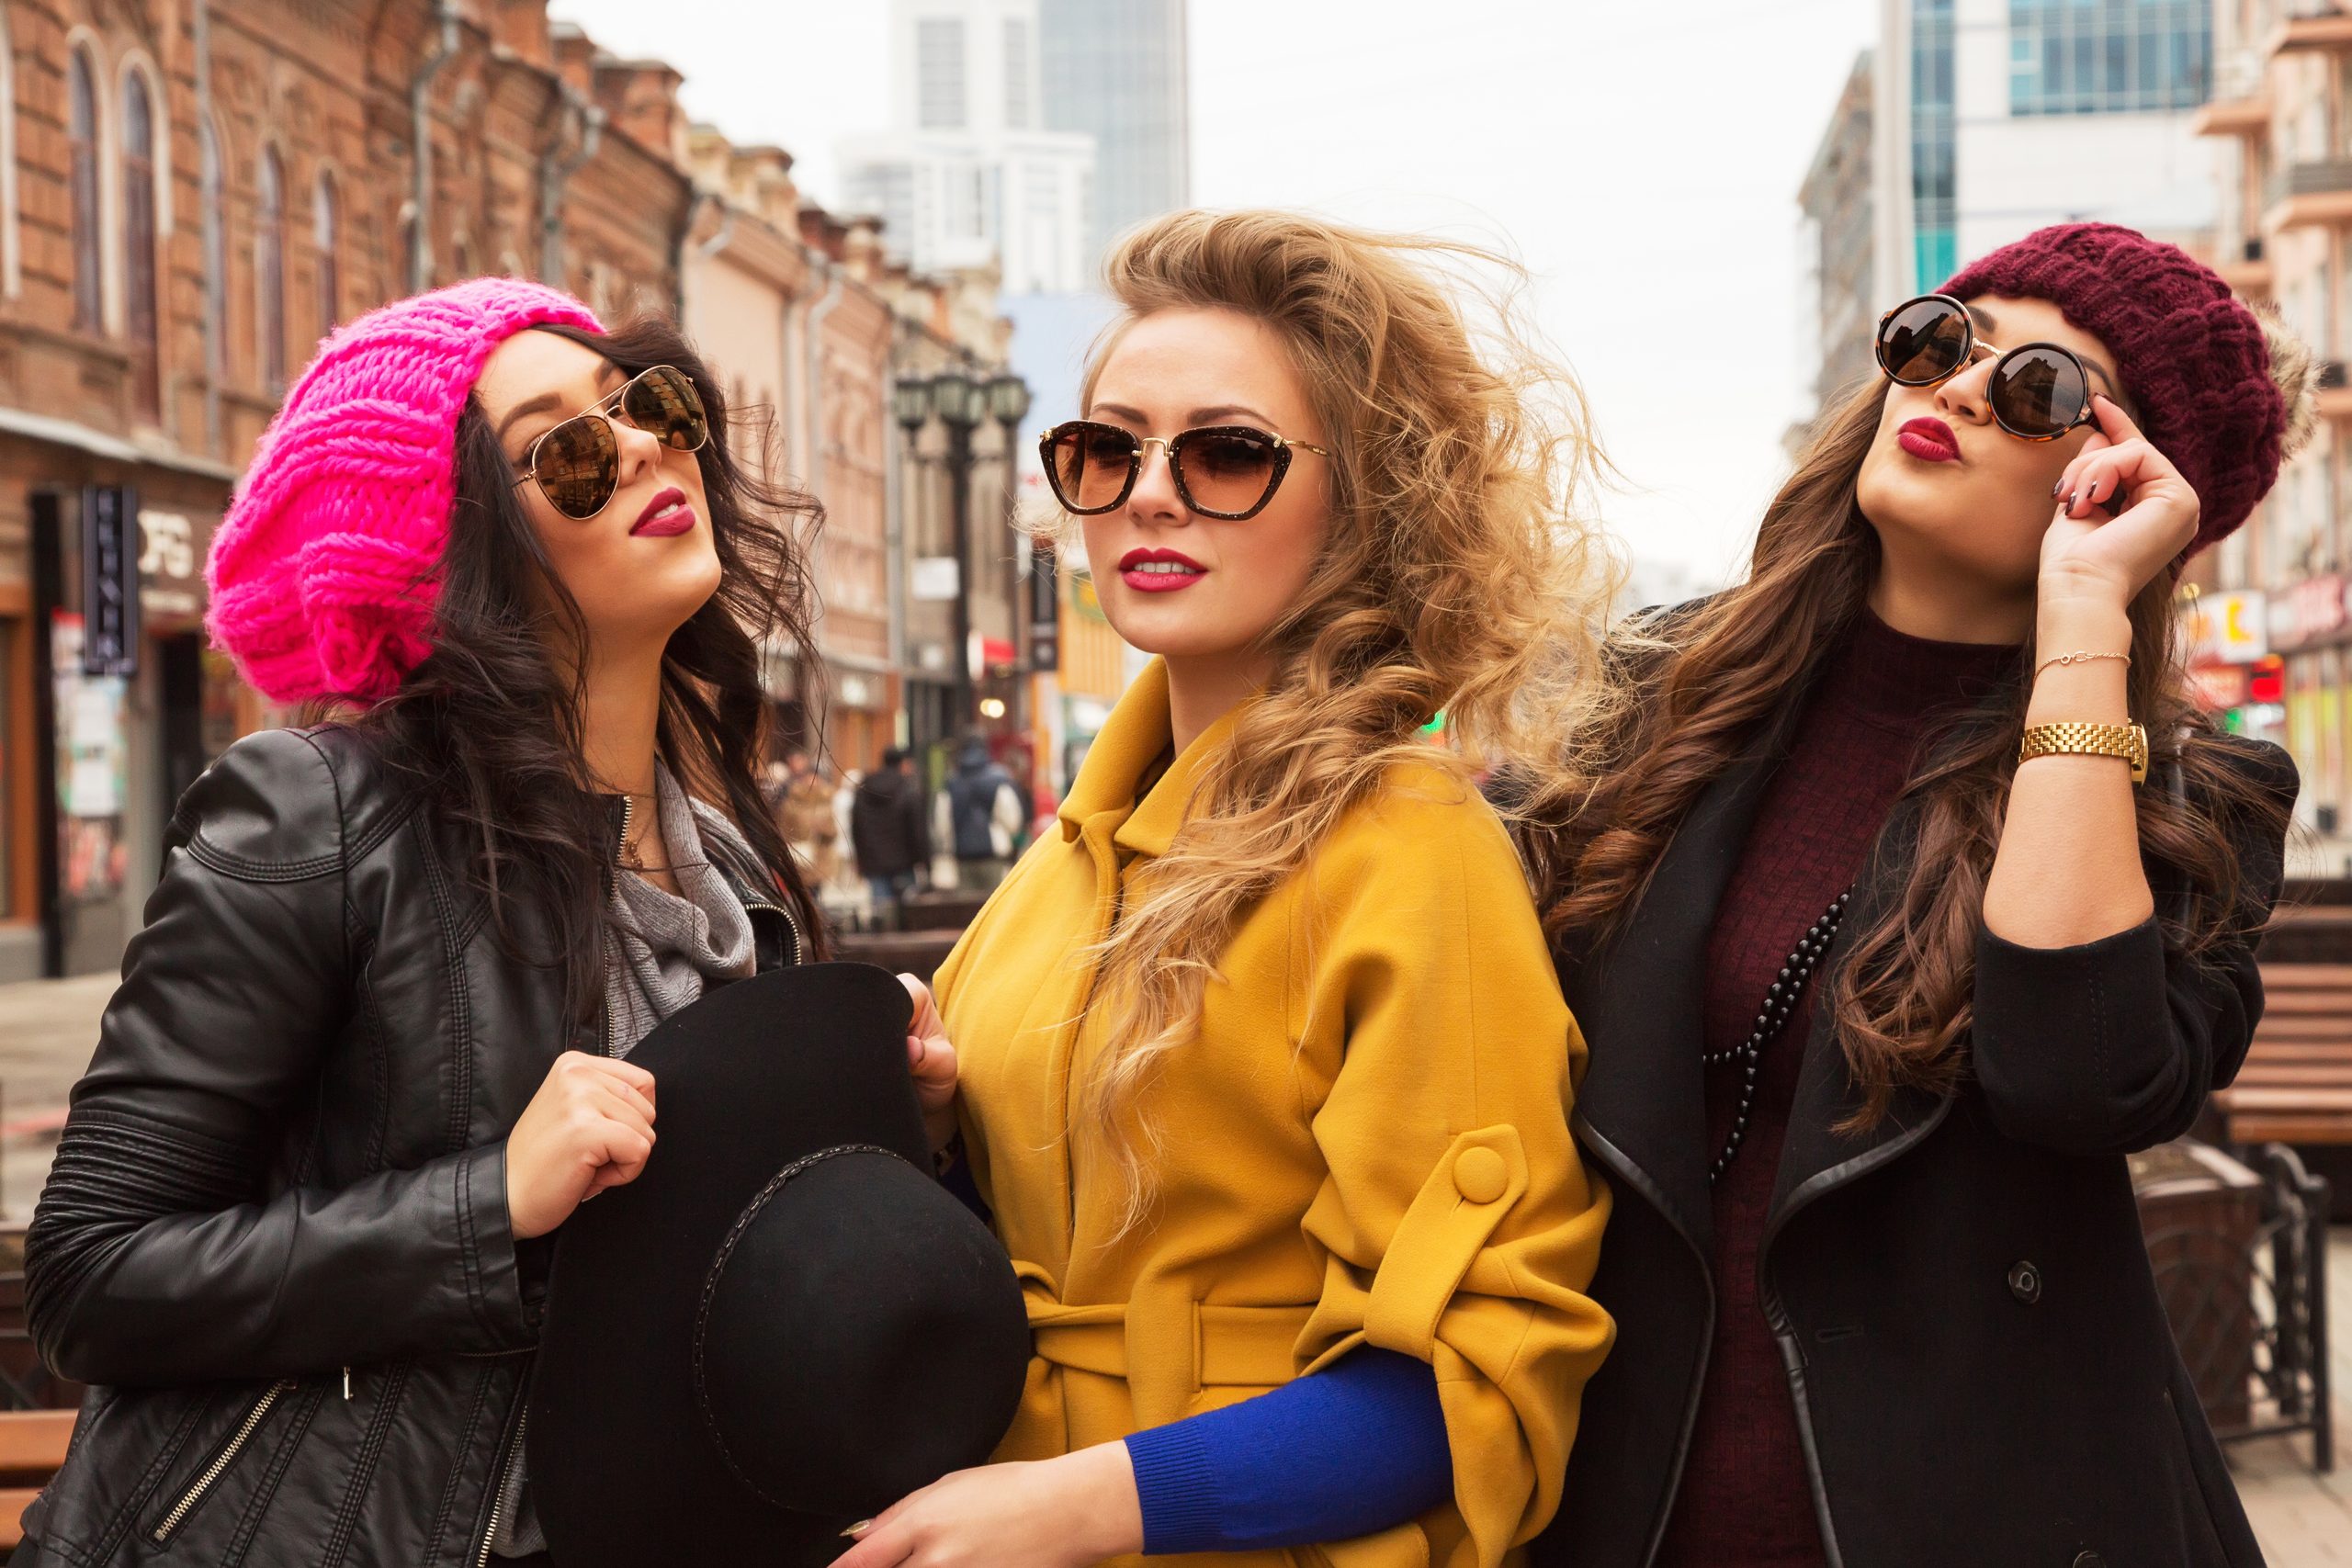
x=889, y=830
x=275, y=1237
x=1981, y=1370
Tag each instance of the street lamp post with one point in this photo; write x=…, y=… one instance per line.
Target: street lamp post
x=1009, y=403
x=957, y=399
x=910, y=409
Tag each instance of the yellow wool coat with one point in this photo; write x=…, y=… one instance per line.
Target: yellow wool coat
x=1366, y=1144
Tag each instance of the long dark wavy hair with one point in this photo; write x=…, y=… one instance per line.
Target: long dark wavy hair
x=488, y=727
x=1710, y=681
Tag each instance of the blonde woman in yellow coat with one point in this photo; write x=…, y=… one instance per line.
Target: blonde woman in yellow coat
x=1264, y=1068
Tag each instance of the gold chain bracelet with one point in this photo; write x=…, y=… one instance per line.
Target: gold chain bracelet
x=2077, y=659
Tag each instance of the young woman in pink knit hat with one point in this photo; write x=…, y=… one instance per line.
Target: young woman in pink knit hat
x=1914, y=892
x=366, y=1053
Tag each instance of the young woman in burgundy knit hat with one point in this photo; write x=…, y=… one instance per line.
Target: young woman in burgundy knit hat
x=366, y=1053
x=1889, y=954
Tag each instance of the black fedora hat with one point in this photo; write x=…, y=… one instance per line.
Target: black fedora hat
x=784, y=1324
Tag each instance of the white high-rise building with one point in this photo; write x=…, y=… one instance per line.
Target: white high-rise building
x=968, y=173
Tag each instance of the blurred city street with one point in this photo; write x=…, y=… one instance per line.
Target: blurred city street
x=883, y=228
x=48, y=1029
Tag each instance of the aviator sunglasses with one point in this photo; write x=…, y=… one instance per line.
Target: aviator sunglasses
x=1227, y=471
x=577, y=464
x=2037, y=391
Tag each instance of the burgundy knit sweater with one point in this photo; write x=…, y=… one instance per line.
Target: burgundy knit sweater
x=1744, y=1501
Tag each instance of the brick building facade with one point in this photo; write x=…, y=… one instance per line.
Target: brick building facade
x=192, y=192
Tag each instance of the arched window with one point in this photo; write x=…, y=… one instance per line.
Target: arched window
x=323, y=235
x=11, y=257
x=82, y=132
x=216, y=250
x=269, y=271
x=139, y=239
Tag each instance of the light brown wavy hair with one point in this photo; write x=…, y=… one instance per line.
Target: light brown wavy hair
x=1704, y=685
x=1456, y=577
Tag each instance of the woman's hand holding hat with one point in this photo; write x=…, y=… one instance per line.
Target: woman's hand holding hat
x=1069, y=1512
x=932, y=1061
x=588, y=1127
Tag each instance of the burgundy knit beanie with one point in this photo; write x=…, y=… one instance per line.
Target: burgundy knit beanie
x=2191, y=357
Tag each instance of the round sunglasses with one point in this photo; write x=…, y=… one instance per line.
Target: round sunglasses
x=2037, y=391
x=577, y=464
x=1227, y=471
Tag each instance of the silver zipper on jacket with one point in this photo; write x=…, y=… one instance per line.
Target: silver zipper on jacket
x=749, y=889
x=498, y=1496
x=791, y=923
x=212, y=1471
x=629, y=814
x=752, y=901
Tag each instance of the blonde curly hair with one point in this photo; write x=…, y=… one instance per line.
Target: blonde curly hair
x=1458, y=577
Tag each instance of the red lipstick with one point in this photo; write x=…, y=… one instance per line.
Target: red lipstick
x=666, y=514
x=1160, y=571
x=1929, y=440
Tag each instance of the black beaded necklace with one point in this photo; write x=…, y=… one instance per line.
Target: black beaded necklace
x=1779, y=1003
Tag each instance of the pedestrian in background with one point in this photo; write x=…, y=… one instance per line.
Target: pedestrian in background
x=365, y=1057
x=980, y=817
x=1888, y=955
x=1263, y=1054
x=889, y=832
x=809, y=822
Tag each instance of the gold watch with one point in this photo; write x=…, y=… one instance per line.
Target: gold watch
x=2129, y=741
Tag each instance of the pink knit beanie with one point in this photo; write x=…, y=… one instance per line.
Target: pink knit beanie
x=2192, y=358
x=325, y=570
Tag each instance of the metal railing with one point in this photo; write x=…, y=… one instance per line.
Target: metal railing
x=2249, y=1309
x=2318, y=178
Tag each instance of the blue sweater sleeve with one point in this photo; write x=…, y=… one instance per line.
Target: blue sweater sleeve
x=1357, y=1448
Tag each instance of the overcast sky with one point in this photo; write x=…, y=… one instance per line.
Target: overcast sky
x=1641, y=159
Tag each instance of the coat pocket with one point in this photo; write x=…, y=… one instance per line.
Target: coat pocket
x=181, y=1502
x=2201, y=1532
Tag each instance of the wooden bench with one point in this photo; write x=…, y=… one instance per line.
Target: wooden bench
x=32, y=1447
x=2296, y=1085
x=919, y=953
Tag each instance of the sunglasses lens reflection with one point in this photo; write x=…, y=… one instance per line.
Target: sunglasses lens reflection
x=578, y=466
x=1923, y=342
x=662, y=403
x=1090, y=464
x=2037, y=391
x=1227, y=470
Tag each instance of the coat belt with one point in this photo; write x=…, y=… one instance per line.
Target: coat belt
x=1232, y=1345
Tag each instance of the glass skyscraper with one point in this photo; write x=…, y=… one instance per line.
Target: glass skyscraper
x=2026, y=112
x=1115, y=70
x=1935, y=151
x=2108, y=56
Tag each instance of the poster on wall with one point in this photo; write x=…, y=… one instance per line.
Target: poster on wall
x=93, y=767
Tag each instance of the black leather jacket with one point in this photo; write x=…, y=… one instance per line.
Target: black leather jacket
x=275, y=1239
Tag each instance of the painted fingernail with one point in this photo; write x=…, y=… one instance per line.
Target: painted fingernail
x=2069, y=501
x=858, y=1529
